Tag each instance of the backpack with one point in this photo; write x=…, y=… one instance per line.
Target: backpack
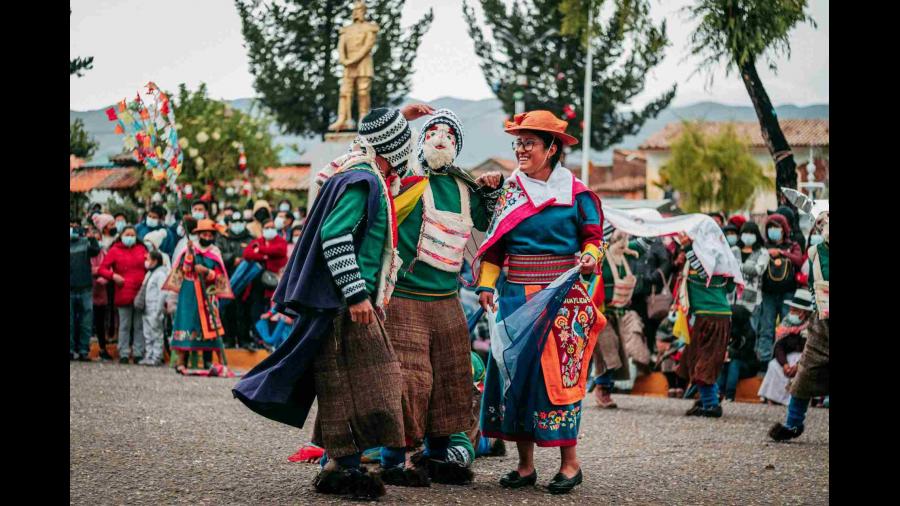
x=780, y=276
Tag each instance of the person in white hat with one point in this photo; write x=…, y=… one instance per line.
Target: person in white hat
x=789, y=343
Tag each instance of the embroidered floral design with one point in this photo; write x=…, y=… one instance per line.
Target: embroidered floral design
x=571, y=328
x=557, y=419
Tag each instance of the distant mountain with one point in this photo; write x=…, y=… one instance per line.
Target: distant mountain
x=482, y=121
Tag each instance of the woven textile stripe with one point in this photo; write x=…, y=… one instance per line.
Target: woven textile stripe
x=538, y=269
x=444, y=228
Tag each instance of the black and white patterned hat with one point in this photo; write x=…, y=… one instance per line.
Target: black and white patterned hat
x=389, y=134
x=441, y=116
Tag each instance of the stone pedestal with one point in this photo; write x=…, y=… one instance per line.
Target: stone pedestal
x=335, y=145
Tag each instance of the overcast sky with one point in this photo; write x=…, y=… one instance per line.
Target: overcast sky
x=193, y=41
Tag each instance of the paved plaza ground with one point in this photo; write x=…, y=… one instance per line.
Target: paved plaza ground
x=142, y=435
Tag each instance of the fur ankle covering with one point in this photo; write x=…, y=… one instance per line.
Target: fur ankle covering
x=406, y=477
x=440, y=471
x=365, y=485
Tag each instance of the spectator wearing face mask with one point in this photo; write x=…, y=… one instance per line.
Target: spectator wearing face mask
x=793, y=221
x=261, y=214
x=154, y=222
x=731, y=235
x=121, y=222
x=235, y=317
x=124, y=266
x=81, y=309
x=284, y=205
x=789, y=343
x=750, y=252
x=104, y=291
x=199, y=210
x=296, y=232
x=150, y=300
x=187, y=226
x=271, y=251
x=778, y=283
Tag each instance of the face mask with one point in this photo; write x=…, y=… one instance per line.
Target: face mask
x=732, y=239
x=284, y=207
x=279, y=223
x=296, y=215
x=774, y=234
x=269, y=234
x=73, y=232
x=193, y=237
x=237, y=227
x=205, y=242
x=793, y=319
x=120, y=226
x=170, y=219
x=180, y=230
x=815, y=239
x=295, y=238
x=198, y=215
x=106, y=241
x=748, y=239
x=129, y=240
x=152, y=222
x=261, y=215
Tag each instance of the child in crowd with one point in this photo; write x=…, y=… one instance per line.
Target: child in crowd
x=151, y=301
x=789, y=343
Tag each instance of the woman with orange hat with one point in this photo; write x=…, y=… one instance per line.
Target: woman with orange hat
x=200, y=278
x=546, y=222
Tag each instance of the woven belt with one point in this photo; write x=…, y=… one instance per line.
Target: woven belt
x=538, y=269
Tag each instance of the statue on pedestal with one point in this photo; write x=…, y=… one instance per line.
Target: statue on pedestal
x=355, y=54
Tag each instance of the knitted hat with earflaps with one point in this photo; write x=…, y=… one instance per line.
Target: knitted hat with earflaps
x=389, y=134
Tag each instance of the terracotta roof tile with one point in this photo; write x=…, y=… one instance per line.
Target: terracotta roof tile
x=288, y=178
x=799, y=133
x=84, y=180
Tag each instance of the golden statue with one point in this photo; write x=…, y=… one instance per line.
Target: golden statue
x=355, y=54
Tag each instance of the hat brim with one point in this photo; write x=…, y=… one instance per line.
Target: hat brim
x=798, y=306
x=566, y=139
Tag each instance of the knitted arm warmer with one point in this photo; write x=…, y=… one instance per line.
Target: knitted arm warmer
x=695, y=262
x=340, y=256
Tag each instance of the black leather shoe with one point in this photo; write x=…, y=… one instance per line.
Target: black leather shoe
x=779, y=432
x=514, y=480
x=562, y=485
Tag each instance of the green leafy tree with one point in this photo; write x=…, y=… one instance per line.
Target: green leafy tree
x=210, y=133
x=739, y=33
x=545, y=41
x=81, y=144
x=292, y=45
x=713, y=172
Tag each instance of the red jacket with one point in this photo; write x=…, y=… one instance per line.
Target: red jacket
x=128, y=263
x=272, y=254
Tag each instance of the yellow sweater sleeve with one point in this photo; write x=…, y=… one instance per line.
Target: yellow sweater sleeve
x=489, y=275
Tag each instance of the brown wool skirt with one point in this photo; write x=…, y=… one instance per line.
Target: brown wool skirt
x=431, y=339
x=812, y=370
x=702, y=359
x=621, y=338
x=357, y=378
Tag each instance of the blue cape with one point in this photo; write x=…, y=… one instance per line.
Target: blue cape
x=281, y=387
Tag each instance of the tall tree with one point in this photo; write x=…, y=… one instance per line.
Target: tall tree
x=713, y=171
x=537, y=40
x=738, y=33
x=81, y=144
x=292, y=45
x=79, y=65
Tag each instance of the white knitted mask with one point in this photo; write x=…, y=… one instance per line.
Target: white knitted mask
x=439, y=146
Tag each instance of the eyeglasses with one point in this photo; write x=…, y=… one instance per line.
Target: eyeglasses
x=527, y=145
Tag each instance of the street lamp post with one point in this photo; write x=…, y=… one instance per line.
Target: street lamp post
x=521, y=79
x=586, y=133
